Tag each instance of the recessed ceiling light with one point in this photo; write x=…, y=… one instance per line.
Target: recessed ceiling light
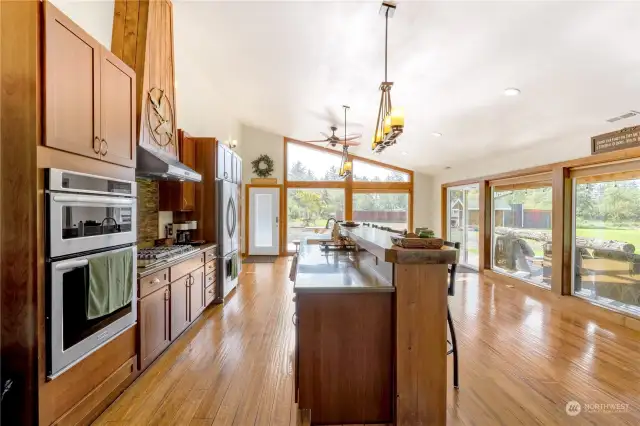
x=447, y=167
x=404, y=153
x=511, y=91
x=436, y=134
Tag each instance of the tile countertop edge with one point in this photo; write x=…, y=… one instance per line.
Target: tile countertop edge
x=143, y=272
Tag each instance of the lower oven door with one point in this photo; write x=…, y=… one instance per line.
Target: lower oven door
x=70, y=335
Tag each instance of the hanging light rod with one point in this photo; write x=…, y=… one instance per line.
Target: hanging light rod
x=346, y=167
x=390, y=122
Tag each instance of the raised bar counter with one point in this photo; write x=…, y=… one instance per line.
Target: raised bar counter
x=378, y=242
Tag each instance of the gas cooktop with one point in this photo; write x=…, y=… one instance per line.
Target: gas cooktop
x=155, y=255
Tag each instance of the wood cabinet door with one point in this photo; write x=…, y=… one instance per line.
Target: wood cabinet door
x=220, y=172
x=188, y=157
x=72, y=86
x=196, y=294
x=153, y=324
x=117, y=111
x=179, y=306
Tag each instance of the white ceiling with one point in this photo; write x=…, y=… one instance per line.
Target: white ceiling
x=280, y=65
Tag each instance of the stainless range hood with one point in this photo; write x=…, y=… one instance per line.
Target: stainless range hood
x=159, y=166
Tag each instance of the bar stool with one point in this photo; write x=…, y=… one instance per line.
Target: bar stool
x=296, y=243
x=451, y=291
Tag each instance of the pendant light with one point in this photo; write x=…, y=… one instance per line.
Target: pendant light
x=346, y=166
x=390, y=123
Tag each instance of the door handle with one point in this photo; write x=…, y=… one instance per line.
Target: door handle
x=67, y=266
x=106, y=147
x=96, y=145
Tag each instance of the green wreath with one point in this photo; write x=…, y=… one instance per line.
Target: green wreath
x=263, y=166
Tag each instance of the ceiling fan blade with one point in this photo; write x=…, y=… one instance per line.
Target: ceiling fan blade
x=352, y=143
x=352, y=136
x=325, y=135
x=320, y=141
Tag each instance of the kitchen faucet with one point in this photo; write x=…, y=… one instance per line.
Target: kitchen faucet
x=329, y=220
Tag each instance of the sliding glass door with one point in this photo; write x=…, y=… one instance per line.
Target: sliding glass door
x=463, y=214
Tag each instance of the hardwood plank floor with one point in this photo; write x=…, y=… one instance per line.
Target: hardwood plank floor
x=521, y=361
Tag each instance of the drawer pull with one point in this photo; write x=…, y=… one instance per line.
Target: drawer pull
x=155, y=281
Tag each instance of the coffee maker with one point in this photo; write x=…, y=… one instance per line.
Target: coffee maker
x=184, y=231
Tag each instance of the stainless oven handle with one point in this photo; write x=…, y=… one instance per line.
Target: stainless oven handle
x=93, y=200
x=67, y=266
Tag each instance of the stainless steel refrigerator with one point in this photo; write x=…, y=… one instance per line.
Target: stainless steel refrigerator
x=229, y=262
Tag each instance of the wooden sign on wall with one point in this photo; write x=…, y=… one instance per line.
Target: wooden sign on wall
x=628, y=137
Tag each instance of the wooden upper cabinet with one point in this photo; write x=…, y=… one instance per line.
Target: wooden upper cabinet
x=154, y=323
x=89, y=94
x=72, y=86
x=180, y=196
x=118, y=111
x=196, y=296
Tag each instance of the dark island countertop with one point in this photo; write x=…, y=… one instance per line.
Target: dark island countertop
x=143, y=272
x=378, y=242
x=335, y=271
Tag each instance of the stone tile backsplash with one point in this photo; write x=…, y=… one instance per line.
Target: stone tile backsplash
x=147, y=211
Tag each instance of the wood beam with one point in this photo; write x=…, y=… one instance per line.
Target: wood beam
x=485, y=236
x=20, y=130
x=562, y=231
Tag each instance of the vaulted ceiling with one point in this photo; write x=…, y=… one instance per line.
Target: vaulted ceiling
x=282, y=66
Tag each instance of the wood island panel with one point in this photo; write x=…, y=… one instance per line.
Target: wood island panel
x=346, y=357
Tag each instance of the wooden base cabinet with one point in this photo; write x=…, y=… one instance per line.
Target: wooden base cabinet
x=155, y=325
x=180, y=305
x=196, y=294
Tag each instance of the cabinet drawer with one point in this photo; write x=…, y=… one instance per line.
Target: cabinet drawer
x=209, y=295
x=183, y=268
x=153, y=282
x=210, y=267
x=210, y=255
x=210, y=280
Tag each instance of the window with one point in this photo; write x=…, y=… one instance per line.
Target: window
x=522, y=233
x=309, y=164
x=385, y=209
x=607, y=237
x=366, y=172
x=308, y=211
x=463, y=222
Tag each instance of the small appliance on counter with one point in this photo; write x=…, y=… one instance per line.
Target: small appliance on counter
x=184, y=231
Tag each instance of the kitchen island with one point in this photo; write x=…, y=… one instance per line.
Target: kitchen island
x=371, y=332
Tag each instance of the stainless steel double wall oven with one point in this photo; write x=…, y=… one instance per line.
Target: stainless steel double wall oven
x=87, y=217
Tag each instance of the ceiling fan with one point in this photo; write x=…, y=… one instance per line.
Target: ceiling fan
x=333, y=140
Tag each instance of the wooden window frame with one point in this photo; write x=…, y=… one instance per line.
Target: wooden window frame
x=349, y=185
x=616, y=165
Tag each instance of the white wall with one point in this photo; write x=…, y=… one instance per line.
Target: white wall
x=423, y=214
x=546, y=153
x=93, y=16
x=254, y=142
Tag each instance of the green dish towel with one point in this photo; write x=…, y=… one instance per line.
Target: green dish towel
x=234, y=266
x=110, y=283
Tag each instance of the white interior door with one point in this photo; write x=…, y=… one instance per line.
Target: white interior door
x=264, y=221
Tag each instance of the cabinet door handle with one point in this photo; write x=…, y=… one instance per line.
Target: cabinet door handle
x=96, y=145
x=106, y=147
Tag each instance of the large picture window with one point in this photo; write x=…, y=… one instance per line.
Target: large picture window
x=309, y=164
x=384, y=209
x=374, y=193
x=308, y=211
x=522, y=233
x=606, y=260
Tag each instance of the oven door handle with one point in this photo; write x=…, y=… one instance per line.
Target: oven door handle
x=89, y=199
x=67, y=266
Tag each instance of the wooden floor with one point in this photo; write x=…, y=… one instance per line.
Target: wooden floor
x=521, y=359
